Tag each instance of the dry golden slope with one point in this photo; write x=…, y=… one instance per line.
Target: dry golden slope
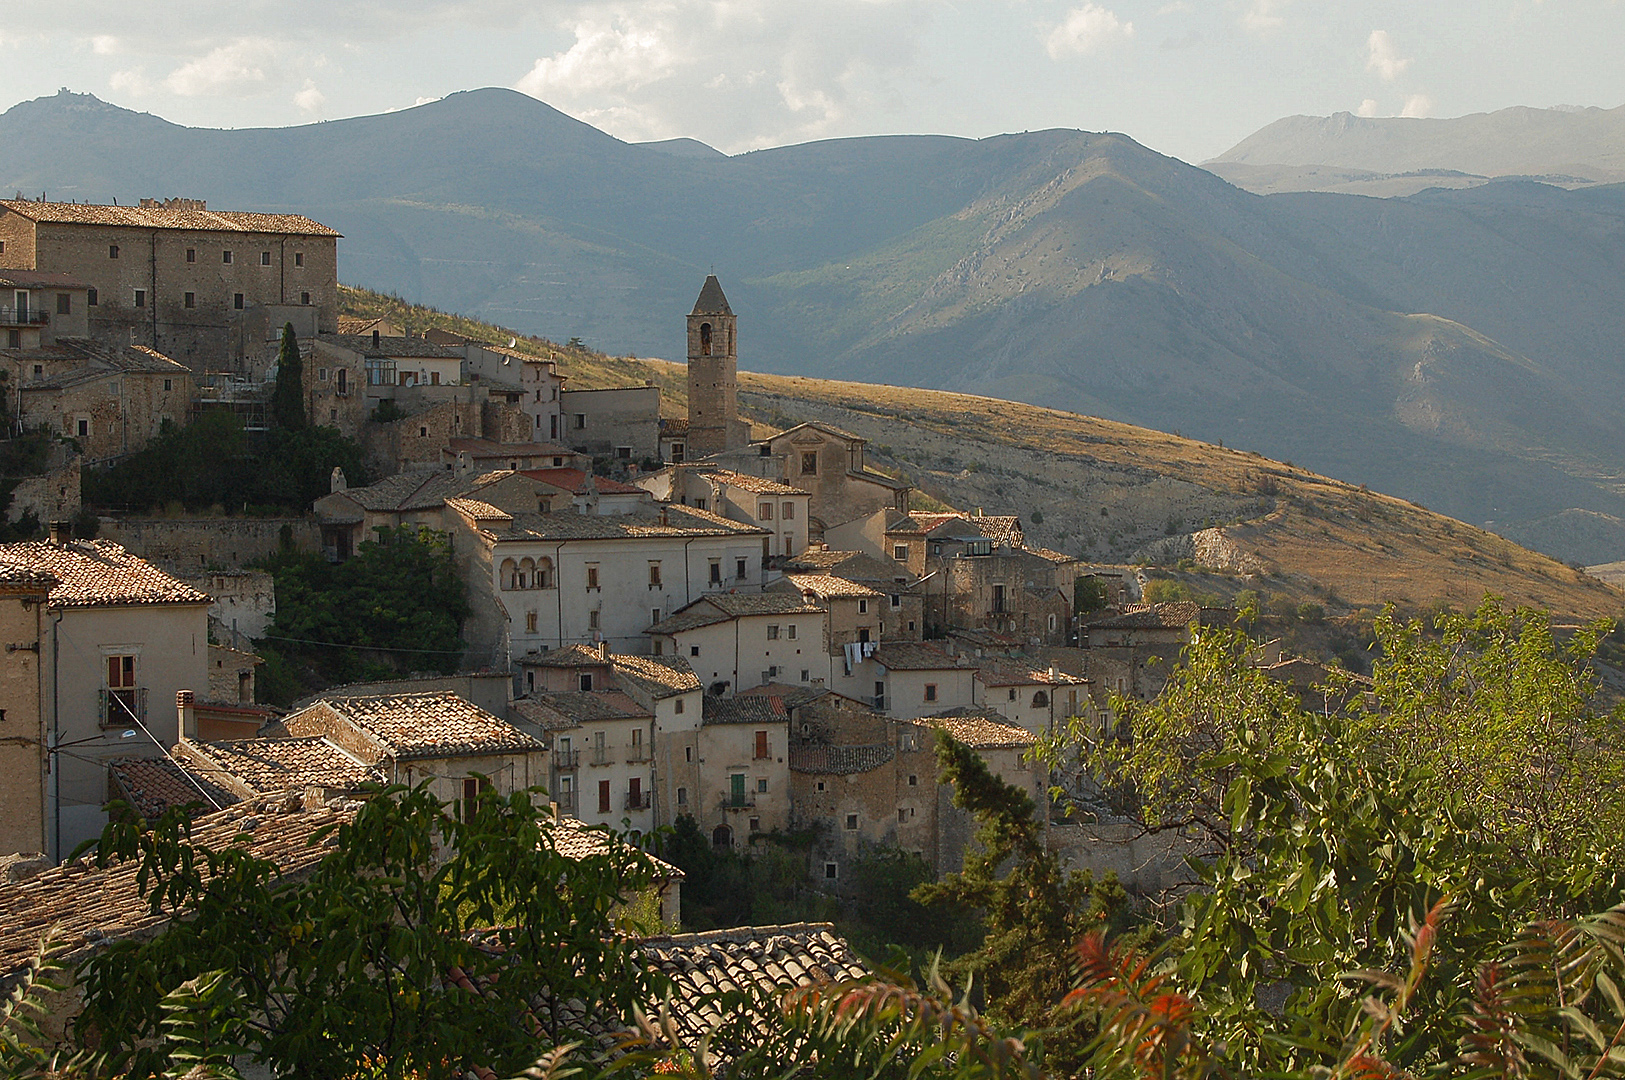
x=1107, y=490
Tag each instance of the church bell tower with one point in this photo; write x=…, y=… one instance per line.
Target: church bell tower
x=713, y=375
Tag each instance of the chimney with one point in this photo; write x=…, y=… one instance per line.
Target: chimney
x=61, y=532
x=664, y=520
x=337, y=482
x=1054, y=674
x=186, y=714
x=603, y=650
x=375, y=339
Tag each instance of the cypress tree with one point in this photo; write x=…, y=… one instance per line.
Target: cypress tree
x=288, y=400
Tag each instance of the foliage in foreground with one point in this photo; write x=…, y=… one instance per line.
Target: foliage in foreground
x=397, y=605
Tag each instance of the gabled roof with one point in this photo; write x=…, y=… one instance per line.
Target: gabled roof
x=664, y=520
x=568, y=656
x=721, y=607
x=411, y=726
x=999, y=529
x=794, y=695
x=916, y=656
x=416, y=489
x=745, y=710
x=268, y=766
x=711, y=301
x=94, y=906
x=1175, y=615
x=981, y=728
x=161, y=217
x=575, y=480
x=96, y=573
x=840, y=760
x=828, y=586
x=97, y=361
x=562, y=710
x=999, y=671
x=755, y=484
x=153, y=785
x=392, y=348
x=657, y=676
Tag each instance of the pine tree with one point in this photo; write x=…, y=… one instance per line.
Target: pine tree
x=288, y=400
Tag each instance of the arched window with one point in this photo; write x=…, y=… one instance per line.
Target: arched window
x=705, y=339
x=527, y=573
x=510, y=574
x=544, y=573
x=1040, y=700
x=722, y=837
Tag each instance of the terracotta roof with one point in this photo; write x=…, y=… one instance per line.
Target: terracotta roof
x=402, y=348
x=566, y=656
x=1053, y=556
x=999, y=529
x=153, y=785
x=757, y=484
x=97, y=361
x=562, y=710
x=711, y=301
x=674, y=427
x=916, y=656
x=575, y=480
x=94, y=905
x=720, y=607
x=25, y=578
x=692, y=618
x=828, y=586
x=840, y=760
x=745, y=710
x=1176, y=615
x=95, y=573
x=269, y=766
x=986, y=639
x=680, y=521
x=478, y=510
x=793, y=695
x=158, y=217
x=980, y=728
x=575, y=839
x=357, y=324
x=490, y=448
x=657, y=676
x=999, y=671
x=424, y=725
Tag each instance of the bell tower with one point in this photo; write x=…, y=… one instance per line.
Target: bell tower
x=713, y=375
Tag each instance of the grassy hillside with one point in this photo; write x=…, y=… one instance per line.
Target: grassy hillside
x=1112, y=491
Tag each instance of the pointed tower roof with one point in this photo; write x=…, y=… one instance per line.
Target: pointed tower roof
x=711, y=301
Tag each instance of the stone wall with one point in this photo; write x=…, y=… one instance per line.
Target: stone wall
x=51, y=496
x=1147, y=864
x=602, y=421
x=244, y=602
x=187, y=545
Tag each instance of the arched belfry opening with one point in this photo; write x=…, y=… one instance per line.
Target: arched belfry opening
x=713, y=376
x=705, y=339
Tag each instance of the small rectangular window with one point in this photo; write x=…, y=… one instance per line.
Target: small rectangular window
x=191, y=255
x=580, y=421
x=761, y=785
x=141, y=298
x=693, y=650
x=716, y=572
x=788, y=511
x=189, y=300
x=805, y=674
x=592, y=576
x=90, y=299
x=225, y=257
x=623, y=453
x=64, y=304
x=930, y=691
x=584, y=684
x=896, y=601
x=851, y=821
x=682, y=796
x=900, y=552
x=755, y=824
x=764, y=511
x=112, y=251
x=829, y=871
x=809, y=463
x=593, y=620
x=304, y=298
x=677, y=707
x=688, y=753
x=169, y=385
x=654, y=578
x=913, y=780
x=761, y=751
x=321, y=373
x=299, y=258
x=265, y=258
x=790, y=631
x=863, y=607
x=603, y=796
x=772, y=633
x=237, y=301
x=530, y=622
x=739, y=569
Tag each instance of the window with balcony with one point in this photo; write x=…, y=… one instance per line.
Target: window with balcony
x=123, y=702
x=736, y=790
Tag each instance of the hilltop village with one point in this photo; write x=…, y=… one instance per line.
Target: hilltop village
x=668, y=618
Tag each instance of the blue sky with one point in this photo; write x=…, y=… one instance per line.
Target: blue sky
x=1184, y=77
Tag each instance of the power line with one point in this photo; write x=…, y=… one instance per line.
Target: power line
x=369, y=648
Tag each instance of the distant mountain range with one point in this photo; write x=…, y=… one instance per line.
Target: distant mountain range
x=1393, y=155
x=1465, y=348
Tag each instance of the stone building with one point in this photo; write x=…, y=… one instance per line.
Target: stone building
x=902, y=609
x=37, y=307
x=713, y=375
x=734, y=641
x=756, y=500
x=24, y=593
x=618, y=422
x=110, y=399
x=205, y=287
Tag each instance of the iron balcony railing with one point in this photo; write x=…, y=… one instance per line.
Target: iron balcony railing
x=639, y=800
x=730, y=801
x=637, y=752
x=121, y=708
x=602, y=755
x=564, y=760
x=24, y=316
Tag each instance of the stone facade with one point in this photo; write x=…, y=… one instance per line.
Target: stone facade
x=827, y=463
x=52, y=495
x=619, y=422
x=713, y=375
x=23, y=684
x=189, y=544
x=110, y=400
x=204, y=287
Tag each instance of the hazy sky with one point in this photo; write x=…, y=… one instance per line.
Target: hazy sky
x=1186, y=77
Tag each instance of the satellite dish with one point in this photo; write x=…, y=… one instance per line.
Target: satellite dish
x=127, y=733
x=512, y=342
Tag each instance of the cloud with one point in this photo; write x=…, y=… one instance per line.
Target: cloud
x=132, y=81
x=1084, y=30
x=1368, y=107
x=742, y=73
x=309, y=99
x=104, y=45
x=1383, y=58
x=1418, y=106
x=1262, y=15
x=233, y=70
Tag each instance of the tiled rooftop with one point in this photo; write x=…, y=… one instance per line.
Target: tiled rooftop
x=720, y=607
x=916, y=656
x=153, y=785
x=94, y=905
x=479, y=510
x=793, y=696
x=562, y=710
x=745, y=710
x=1175, y=615
x=981, y=728
x=840, y=760
x=157, y=217
x=575, y=839
x=664, y=520
x=425, y=725
x=828, y=586
x=24, y=578
x=568, y=656
x=575, y=481
x=999, y=529
x=998, y=671
x=491, y=449
x=657, y=676
x=92, y=573
x=405, y=348
x=755, y=484
x=269, y=766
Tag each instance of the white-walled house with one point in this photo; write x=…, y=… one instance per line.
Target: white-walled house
x=742, y=782
x=908, y=679
x=755, y=500
x=739, y=640
x=1036, y=699
x=539, y=582
x=123, y=638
